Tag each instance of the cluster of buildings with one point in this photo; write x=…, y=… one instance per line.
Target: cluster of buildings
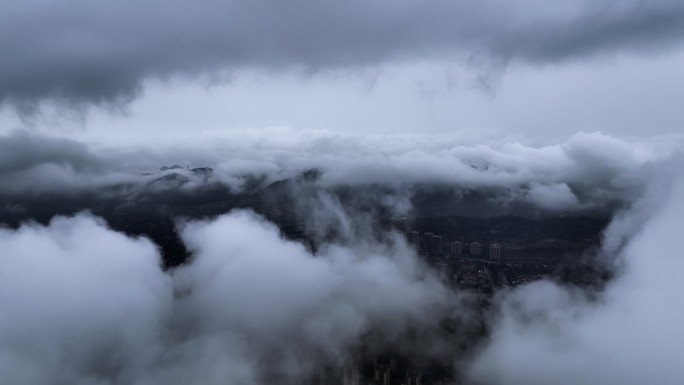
x=389, y=374
x=432, y=245
x=474, y=266
x=388, y=371
x=466, y=265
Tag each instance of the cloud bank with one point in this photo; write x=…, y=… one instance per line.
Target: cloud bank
x=74, y=311
x=82, y=304
x=544, y=333
x=102, y=53
x=588, y=170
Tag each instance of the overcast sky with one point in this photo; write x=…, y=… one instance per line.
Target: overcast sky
x=565, y=104
x=369, y=91
x=541, y=70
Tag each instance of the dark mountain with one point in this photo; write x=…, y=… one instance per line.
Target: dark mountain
x=457, y=214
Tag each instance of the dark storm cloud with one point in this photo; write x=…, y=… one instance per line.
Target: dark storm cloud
x=79, y=52
x=20, y=151
x=599, y=26
x=36, y=163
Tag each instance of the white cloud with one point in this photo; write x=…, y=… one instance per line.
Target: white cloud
x=628, y=334
x=82, y=304
x=587, y=170
x=78, y=303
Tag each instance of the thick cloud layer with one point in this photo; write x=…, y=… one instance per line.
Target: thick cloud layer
x=628, y=335
x=81, y=304
x=96, y=52
x=586, y=171
x=78, y=303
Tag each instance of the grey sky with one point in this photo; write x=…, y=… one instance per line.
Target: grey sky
x=84, y=53
x=561, y=104
x=625, y=95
